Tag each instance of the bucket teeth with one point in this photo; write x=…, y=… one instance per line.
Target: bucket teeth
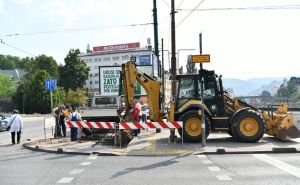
x=289, y=133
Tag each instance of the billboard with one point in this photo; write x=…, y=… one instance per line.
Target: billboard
x=116, y=47
x=109, y=80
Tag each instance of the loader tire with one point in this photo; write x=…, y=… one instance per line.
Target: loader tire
x=248, y=126
x=192, y=126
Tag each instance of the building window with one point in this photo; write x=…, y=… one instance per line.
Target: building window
x=125, y=57
x=95, y=67
x=91, y=75
x=96, y=74
x=115, y=58
x=97, y=60
x=105, y=59
x=91, y=82
x=96, y=82
x=88, y=60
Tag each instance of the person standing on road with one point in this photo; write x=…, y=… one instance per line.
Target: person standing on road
x=16, y=126
x=135, y=114
x=74, y=116
x=56, y=113
x=143, y=112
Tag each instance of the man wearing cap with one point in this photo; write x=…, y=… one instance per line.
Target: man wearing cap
x=16, y=125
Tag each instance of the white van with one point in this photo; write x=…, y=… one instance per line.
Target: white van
x=104, y=102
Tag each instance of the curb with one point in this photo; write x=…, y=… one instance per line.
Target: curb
x=274, y=150
x=61, y=151
x=219, y=151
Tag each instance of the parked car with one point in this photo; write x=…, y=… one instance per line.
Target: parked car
x=3, y=122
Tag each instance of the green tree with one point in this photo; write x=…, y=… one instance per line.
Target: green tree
x=7, y=86
x=7, y=62
x=287, y=90
x=190, y=66
x=77, y=97
x=265, y=93
x=74, y=73
x=43, y=62
x=32, y=95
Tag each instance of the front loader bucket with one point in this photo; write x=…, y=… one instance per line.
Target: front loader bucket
x=289, y=133
x=280, y=123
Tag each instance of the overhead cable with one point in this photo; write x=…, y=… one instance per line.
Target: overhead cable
x=280, y=7
x=191, y=11
x=75, y=30
x=11, y=46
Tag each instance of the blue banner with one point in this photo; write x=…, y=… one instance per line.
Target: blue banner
x=145, y=60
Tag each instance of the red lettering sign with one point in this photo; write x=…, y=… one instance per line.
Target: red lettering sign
x=116, y=47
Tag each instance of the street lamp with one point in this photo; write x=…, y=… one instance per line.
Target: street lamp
x=177, y=62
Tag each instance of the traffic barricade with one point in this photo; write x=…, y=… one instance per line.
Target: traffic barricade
x=126, y=125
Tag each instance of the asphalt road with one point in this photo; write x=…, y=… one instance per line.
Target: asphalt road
x=22, y=166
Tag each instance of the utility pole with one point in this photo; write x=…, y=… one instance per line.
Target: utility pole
x=173, y=69
x=173, y=49
x=156, y=51
x=201, y=71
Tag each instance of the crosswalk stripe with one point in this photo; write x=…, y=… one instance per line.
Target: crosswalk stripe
x=223, y=177
x=76, y=171
x=92, y=157
x=214, y=168
x=279, y=164
x=65, y=180
x=85, y=163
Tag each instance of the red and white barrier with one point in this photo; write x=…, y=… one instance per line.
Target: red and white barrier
x=88, y=124
x=125, y=125
x=140, y=125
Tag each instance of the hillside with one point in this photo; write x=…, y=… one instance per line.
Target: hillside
x=254, y=86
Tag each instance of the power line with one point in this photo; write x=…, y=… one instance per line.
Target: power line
x=180, y=4
x=191, y=11
x=11, y=46
x=166, y=3
x=280, y=7
x=75, y=30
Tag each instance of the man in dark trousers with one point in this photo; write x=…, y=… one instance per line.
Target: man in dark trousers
x=16, y=126
x=59, y=119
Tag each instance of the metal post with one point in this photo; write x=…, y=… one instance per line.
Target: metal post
x=203, y=116
x=51, y=102
x=202, y=99
x=45, y=128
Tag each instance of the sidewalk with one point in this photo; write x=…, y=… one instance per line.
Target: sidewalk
x=150, y=143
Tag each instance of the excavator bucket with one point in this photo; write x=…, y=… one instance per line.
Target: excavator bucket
x=280, y=123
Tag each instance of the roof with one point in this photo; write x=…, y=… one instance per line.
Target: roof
x=14, y=74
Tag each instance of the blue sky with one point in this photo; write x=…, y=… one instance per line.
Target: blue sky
x=242, y=43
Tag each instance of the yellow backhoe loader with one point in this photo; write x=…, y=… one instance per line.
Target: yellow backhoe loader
x=222, y=113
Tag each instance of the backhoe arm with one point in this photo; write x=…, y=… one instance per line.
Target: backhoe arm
x=152, y=86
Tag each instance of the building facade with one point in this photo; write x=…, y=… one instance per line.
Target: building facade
x=113, y=55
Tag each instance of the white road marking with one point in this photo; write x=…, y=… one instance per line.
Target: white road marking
x=207, y=161
x=92, y=157
x=279, y=164
x=85, y=163
x=214, y=168
x=65, y=180
x=202, y=156
x=223, y=177
x=76, y=171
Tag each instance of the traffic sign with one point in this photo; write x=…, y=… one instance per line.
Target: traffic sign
x=200, y=58
x=50, y=84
